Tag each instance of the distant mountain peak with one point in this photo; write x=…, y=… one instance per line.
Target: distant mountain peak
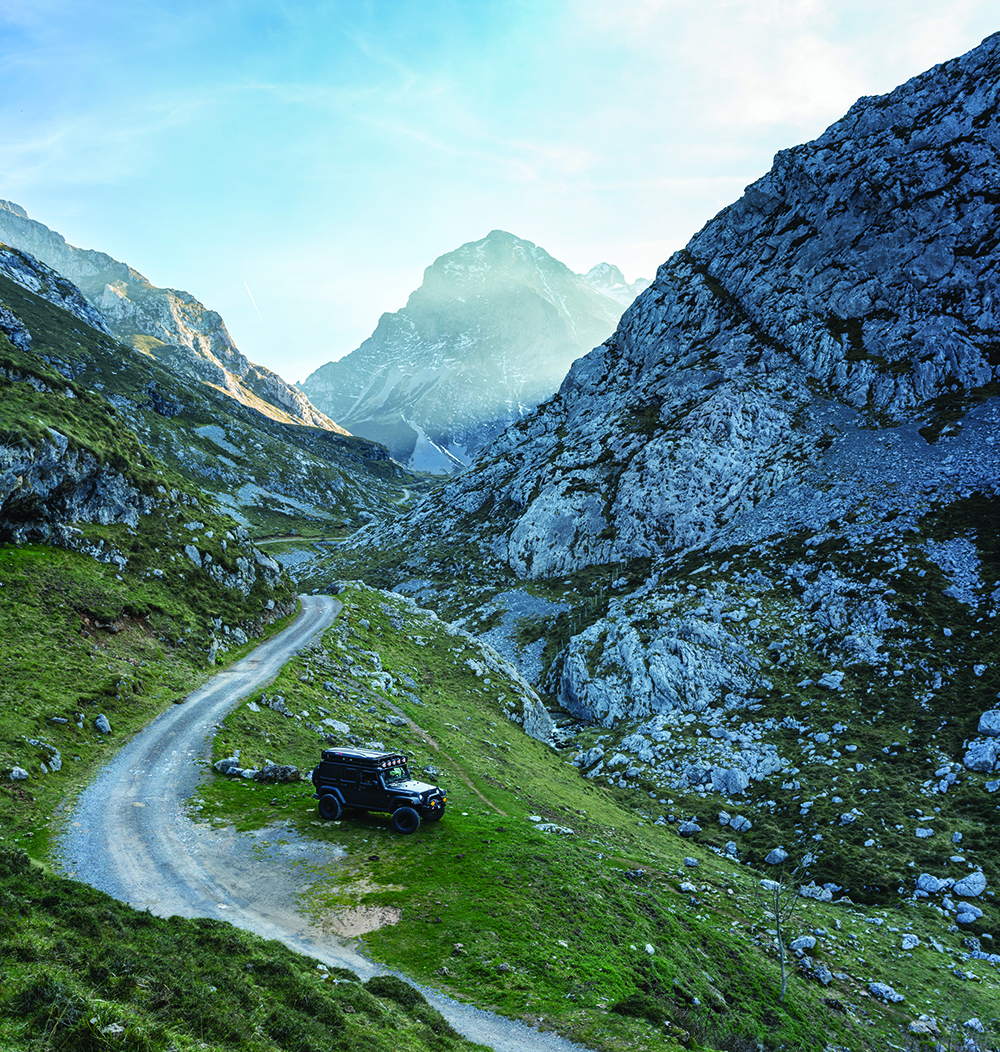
x=488, y=335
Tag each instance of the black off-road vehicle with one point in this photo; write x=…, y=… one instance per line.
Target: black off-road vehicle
x=366, y=780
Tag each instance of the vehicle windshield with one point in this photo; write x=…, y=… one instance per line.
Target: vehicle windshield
x=395, y=775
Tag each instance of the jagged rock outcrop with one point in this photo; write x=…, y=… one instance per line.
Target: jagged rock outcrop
x=35, y=276
x=168, y=324
x=488, y=335
x=46, y=488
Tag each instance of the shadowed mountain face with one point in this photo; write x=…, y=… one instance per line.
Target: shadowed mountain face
x=167, y=324
x=488, y=335
x=778, y=481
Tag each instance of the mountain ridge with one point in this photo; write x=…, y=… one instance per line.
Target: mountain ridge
x=489, y=333
x=168, y=324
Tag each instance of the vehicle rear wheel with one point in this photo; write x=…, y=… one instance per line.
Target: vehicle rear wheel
x=405, y=820
x=436, y=816
x=329, y=807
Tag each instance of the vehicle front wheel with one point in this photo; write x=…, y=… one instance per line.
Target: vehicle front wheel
x=436, y=815
x=330, y=807
x=405, y=820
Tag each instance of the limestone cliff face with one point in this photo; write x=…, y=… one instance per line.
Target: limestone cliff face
x=860, y=272
x=488, y=335
x=169, y=324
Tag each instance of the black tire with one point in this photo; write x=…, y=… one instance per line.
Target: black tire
x=436, y=815
x=329, y=807
x=405, y=820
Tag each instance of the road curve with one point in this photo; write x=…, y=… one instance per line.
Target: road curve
x=129, y=835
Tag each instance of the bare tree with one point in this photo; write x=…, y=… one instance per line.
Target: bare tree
x=779, y=900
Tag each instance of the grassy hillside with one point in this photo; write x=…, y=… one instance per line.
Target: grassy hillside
x=609, y=927
x=85, y=973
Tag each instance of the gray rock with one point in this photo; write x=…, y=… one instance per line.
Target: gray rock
x=691, y=863
x=337, y=725
x=278, y=773
x=831, y=680
x=972, y=886
x=550, y=827
x=967, y=913
x=931, y=884
x=230, y=765
x=922, y=833
x=730, y=781
x=822, y=974
x=740, y=823
x=776, y=856
x=989, y=723
x=982, y=754
x=803, y=942
x=397, y=721
x=102, y=725
x=52, y=760
x=909, y=942
x=18, y=774
x=688, y=828
x=884, y=992
x=813, y=891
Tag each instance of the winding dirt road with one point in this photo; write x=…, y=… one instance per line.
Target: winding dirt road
x=130, y=836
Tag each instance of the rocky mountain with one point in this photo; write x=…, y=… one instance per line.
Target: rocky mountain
x=750, y=544
x=272, y=476
x=166, y=324
x=488, y=335
x=609, y=280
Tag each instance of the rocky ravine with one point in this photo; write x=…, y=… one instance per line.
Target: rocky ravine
x=791, y=438
x=488, y=335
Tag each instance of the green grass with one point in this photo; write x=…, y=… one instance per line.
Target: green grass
x=82, y=640
x=543, y=926
x=85, y=973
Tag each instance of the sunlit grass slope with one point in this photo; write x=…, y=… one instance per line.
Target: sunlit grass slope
x=614, y=930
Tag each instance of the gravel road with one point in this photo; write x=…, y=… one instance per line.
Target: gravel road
x=130, y=836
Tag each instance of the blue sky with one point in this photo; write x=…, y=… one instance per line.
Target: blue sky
x=322, y=154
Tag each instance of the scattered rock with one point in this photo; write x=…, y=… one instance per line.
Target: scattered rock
x=803, y=942
x=688, y=828
x=102, y=724
x=18, y=774
x=989, y=723
x=776, y=856
x=909, y=942
x=831, y=680
x=278, y=773
x=884, y=992
x=972, y=886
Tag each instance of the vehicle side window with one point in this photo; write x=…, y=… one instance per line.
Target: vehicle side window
x=368, y=778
